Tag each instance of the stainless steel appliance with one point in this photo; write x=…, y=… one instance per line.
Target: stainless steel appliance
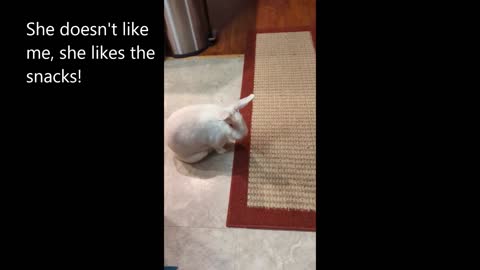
x=187, y=26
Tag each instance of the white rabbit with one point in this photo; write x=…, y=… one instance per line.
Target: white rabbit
x=193, y=131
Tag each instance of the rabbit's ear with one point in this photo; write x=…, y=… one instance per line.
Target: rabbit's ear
x=243, y=102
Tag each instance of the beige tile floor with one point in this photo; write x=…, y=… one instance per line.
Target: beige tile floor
x=196, y=196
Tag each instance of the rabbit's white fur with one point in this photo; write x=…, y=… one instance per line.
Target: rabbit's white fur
x=193, y=131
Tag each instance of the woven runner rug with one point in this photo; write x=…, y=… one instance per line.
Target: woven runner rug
x=274, y=168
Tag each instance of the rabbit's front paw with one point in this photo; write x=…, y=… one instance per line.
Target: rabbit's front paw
x=220, y=150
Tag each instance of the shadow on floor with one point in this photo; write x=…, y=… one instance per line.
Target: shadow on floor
x=213, y=165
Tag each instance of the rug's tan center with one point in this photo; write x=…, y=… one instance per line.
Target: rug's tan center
x=282, y=154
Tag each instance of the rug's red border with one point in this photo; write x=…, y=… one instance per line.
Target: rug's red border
x=249, y=217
